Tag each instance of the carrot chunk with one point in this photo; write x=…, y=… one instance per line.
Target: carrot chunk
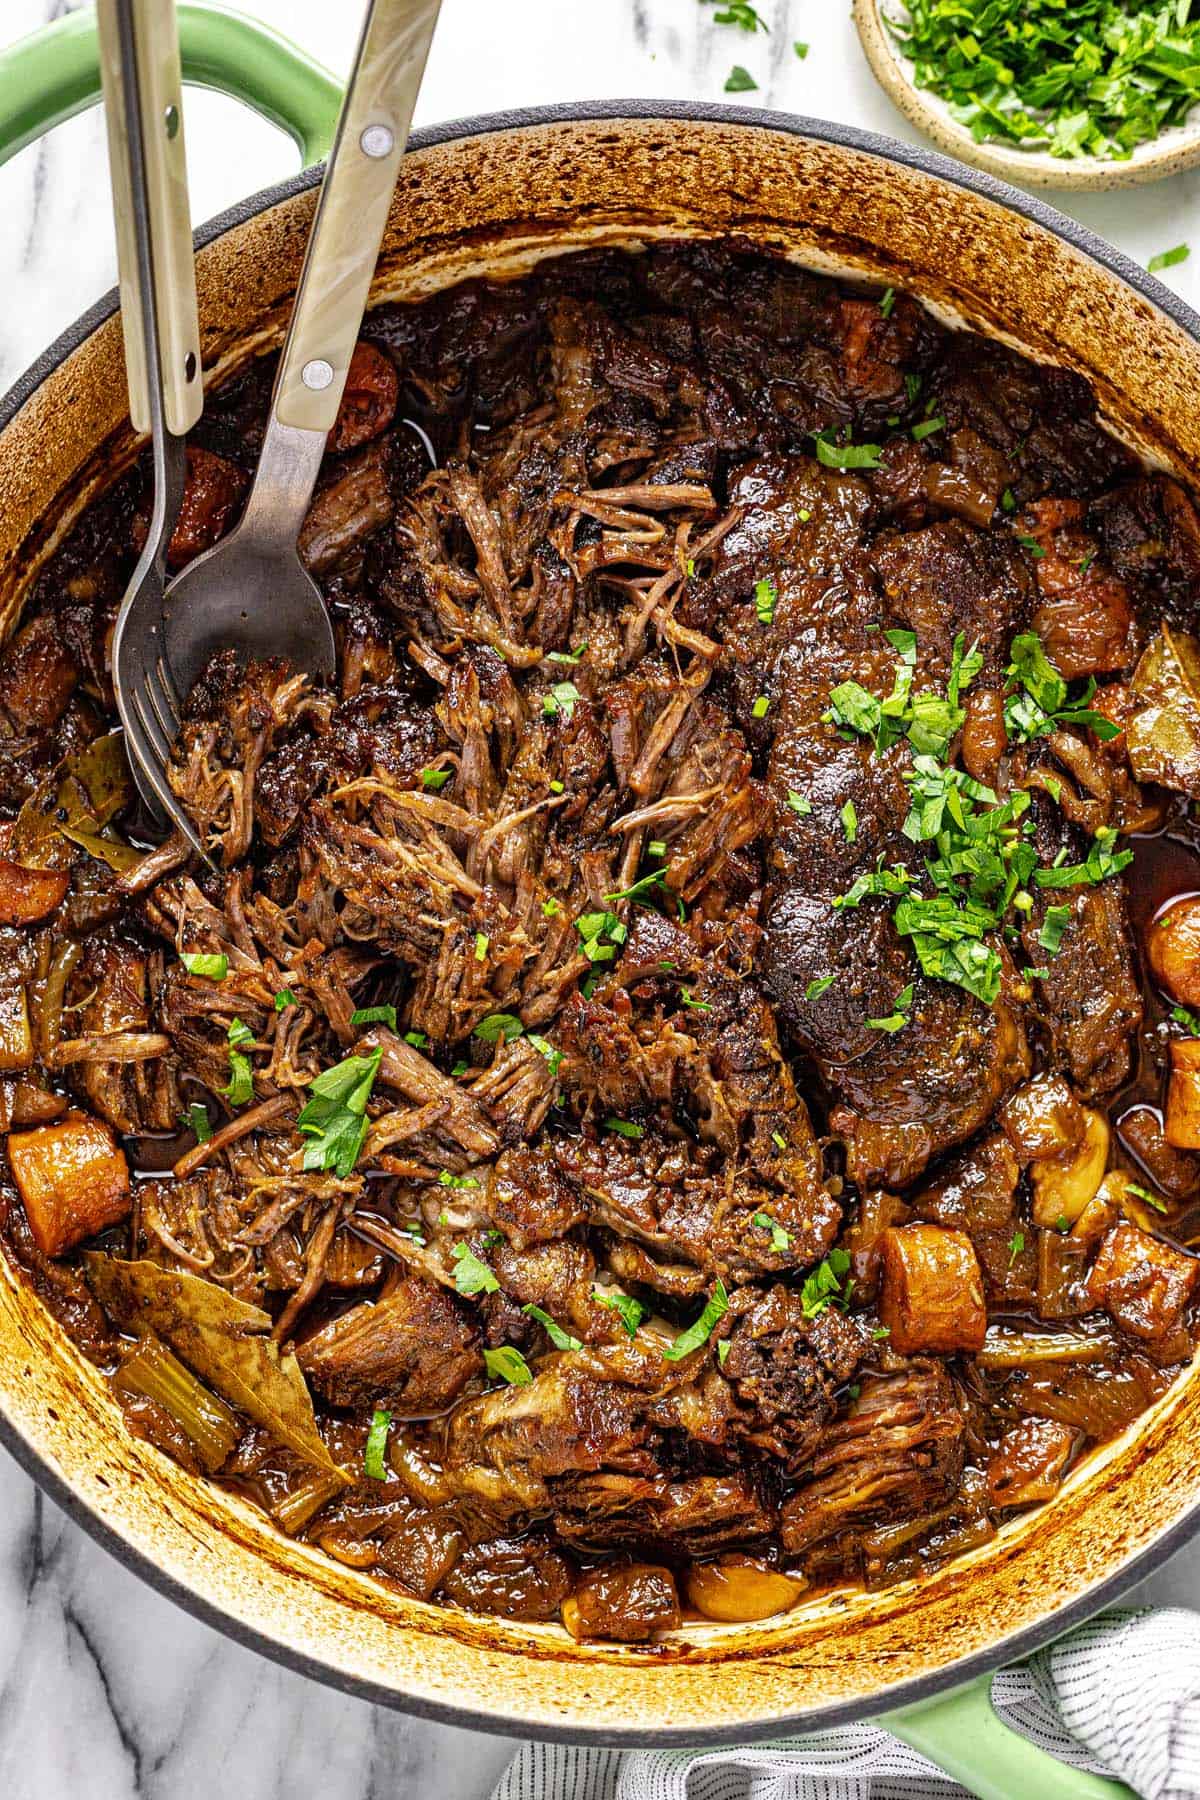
x=73, y=1181
x=932, y=1292
x=27, y=895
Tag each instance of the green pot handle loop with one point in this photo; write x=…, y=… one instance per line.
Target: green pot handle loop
x=964, y=1735
x=55, y=73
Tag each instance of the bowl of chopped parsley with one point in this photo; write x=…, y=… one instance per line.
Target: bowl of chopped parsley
x=1052, y=93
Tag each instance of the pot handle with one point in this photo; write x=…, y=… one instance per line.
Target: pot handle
x=964, y=1735
x=54, y=73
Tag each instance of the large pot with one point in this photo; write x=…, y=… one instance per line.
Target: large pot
x=494, y=195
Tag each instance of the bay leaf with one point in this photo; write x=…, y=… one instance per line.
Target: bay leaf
x=226, y=1341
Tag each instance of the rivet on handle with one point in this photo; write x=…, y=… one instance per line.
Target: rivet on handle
x=317, y=374
x=377, y=140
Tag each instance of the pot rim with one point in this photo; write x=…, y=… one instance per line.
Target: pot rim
x=46, y=1476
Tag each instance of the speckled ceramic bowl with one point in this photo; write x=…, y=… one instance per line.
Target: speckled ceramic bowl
x=493, y=196
x=1175, y=149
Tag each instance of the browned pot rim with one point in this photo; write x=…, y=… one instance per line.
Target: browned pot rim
x=42, y=1470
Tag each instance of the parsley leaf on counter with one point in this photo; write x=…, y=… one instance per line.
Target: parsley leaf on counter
x=740, y=81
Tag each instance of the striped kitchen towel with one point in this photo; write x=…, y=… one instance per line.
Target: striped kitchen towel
x=1118, y=1696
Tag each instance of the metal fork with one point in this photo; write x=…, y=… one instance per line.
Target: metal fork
x=251, y=591
x=139, y=51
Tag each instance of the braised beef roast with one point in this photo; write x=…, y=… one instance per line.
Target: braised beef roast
x=655, y=1098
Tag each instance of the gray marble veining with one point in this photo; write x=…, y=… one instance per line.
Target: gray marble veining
x=108, y=1691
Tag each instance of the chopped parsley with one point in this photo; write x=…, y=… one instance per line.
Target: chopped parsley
x=551, y=907
x=799, y=805
x=699, y=1332
x=1008, y=501
x=737, y=12
x=624, y=1128
x=1167, y=259
x=689, y=1000
x=561, y=699
x=334, y=1120
x=631, y=1312
x=482, y=941
x=1037, y=698
x=601, y=935
x=507, y=1364
x=1189, y=1020
x=446, y=1179
x=927, y=427
x=780, y=1239
x=761, y=707
x=801, y=50
x=1141, y=1193
x=825, y=1284
x=1102, y=861
x=377, y=1015
x=740, y=81
x=1053, y=925
x=722, y=1353
x=887, y=301
x=470, y=1275
x=417, y=1039
x=849, y=818
x=1016, y=1244
x=196, y=1119
x=765, y=599
x=432, y=780
x=1070, y=77
x=553, y=1057
x=846, y=456
x=214, y=967
x=284, y=997
x=571, y=658
x=820, y=986
x=898, y=1017
x=639, y=893
x=562, y=1340
x=374, y=1466
x=241, y=1075
x=497, y=1027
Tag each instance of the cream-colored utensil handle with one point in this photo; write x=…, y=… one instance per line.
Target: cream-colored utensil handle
x=160, y=92
x=352, y=211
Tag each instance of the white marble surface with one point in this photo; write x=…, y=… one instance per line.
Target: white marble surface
x=108, y=1692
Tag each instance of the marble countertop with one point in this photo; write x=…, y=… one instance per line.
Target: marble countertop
x=107, y=1691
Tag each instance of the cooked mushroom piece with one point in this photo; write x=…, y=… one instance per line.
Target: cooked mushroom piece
x=1064, y=1184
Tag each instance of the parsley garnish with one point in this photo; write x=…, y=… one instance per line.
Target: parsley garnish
x=196, y=1119
x=1141, y=1193
x=562, y=1340
x=1102, y=861
x=927, y=427
x=1054, y=924
x=498, y=1026
x=765, y=599
x=799, y=805
x=846, y=456
x=898, y=1018
x=631, y=1312
x=470, y=1275
x=434, y=779
x=824, y=1285
x=1189, y=1020
x=761, y=707
x=200, y=962
x=335, y=1117
x=849, y=818
x=887, y=301
x=1037, y=700
x=376, y=1446
x=561, y=699
x=446, y=1179
x=624, y=1128
x=780, y=1239
x=376, y=1015
x=740, y=81
x=820, y=986
x=1016, y=1244
x=570, y=657
x=507, y=1364
x=715, y=1308
x=482, y=941
x=241, y=1075
x=284, y=997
